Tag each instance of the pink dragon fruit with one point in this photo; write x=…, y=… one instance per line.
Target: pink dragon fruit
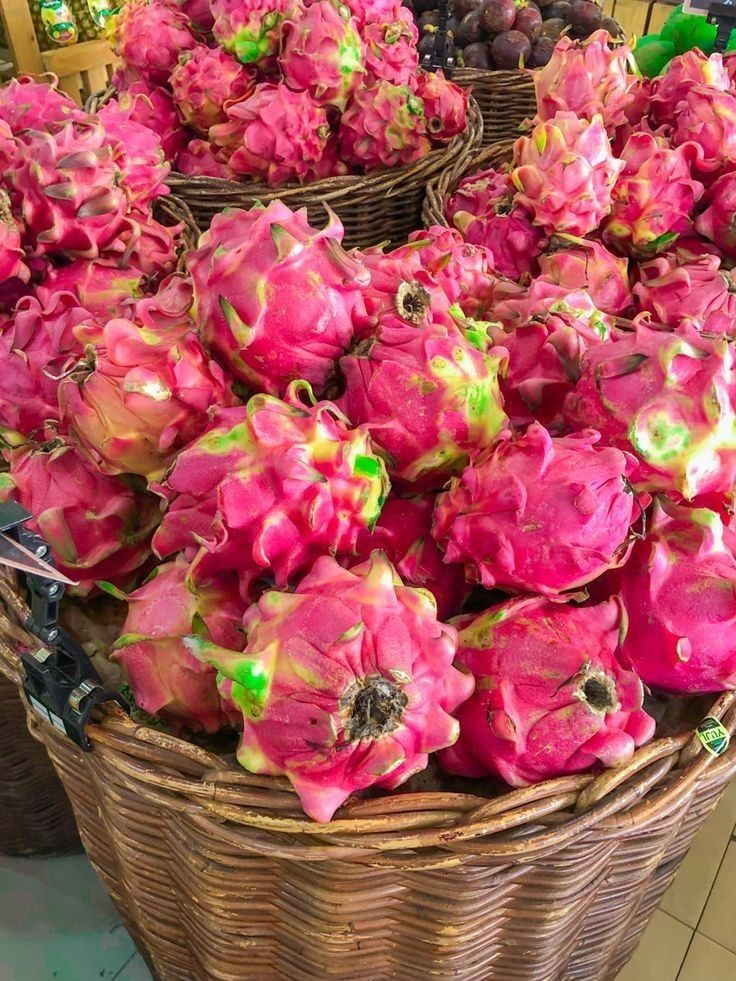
x=552, y=694
x=384, y=126
x=140, y=396
x=154, y=107
x=170, y=307
x=668, y=398
x=677, y=289
x=445, y=106
x=12, y=255
x=718, y=222
x=330, y=164
x=103, y=289
x=373, y=717
x=391, y=48
x=539, y=514
x=323, y=53
x=252, y=29
x=275, y=298
x=587, y=78
x=164, y=676
x=654, y=196
x=149, y=35
x=147, y=245
x=403, y=533
x=374, y=11
x=26, y=103
x=446, y=383
x=270, y=487
x=200, y=157
x=199, y=13
x=678, y=593
x=66, y=185
x=583, y=264
x=515, y=305
x=683, y=73
x=98, y=527
x=139, y=154
x=204, y=81
x=564, y=173
x=707, y=117
x=276, y=135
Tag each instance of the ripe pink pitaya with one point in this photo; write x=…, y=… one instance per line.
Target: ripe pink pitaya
x=147, y=245
x=666, y=397
x=164, y=676
x=564, y=173
x=330, y=164
x=140, y=396
x=482, y=209
x=252, y=29
x=403, y=533
x=200, y=157
x=708, y=118
x=446, y=383
x=322, y=52
x=154, y=107
x=67, y=188
x=587, y=78
x=374, y=11
x=539, y=514
x=515, y=305
x=149, y=35
x=275, y=298
x=718, y=222
x=271, y=486
x=552, y=694
x=445, y=106
x=12, y=254
x=677, y=289
x=654, y=196
x=678, y=590
x=372, y=716
x=204, y=81
x=276, y=135
x=170, y=307
x=139, y=155
x=98, y=527
x=583, y=264
x=383, y=126
x=103, y=289
x=683, y=73
x=199, y=13
x=391, y=47
x=29, y=104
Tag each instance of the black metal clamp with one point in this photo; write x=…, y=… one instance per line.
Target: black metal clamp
x=723, y=15
x=442, y=55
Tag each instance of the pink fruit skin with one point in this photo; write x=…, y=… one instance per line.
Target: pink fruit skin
x=199, y=157
x=445, y=106
x=345, y=684
x=139, y=154
x=274, y=297
x=391, y=47
x=149, y=37
x=718, y=222
x=384, y=126
x=552, y=694
x=153, y=106
x=515, y=305
x=204, y=82
x=98, y=527
x=564, y=173
x=147, y=245
x=539, y=514
x=270, y=487
x=165, y=677
x=583, y=264
x=29, y=104
x=403, y=533
x=683, y=73
x=678, y=290
x=678, y=592
x=143, y=397
x=252, y=30
x=708, y=118
x=101, y=288
x=666, y=397
x=199, y=13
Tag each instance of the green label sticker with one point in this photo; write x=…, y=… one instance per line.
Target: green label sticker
x=713, y=735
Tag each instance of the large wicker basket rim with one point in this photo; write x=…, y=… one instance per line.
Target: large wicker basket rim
x=445, y=827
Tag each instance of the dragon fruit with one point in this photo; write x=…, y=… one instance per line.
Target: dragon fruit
x=683, y=73
x=515, y=305
x=164, y=676
x=403, y=533
x=678, y=593
x=587, y=78
x=374, y=715
x=446, y=383
x=270, y=487
x=26, y=103
x=170, y=307
x=552, y=694
x=708, y=118
x=374, y=11
x=200, y=157
x=276, y=135
x=252, y=29
x=582, y=264
x=384, y=126
x=140, y=396
x=98, y=527
x=199, y=13
x=149, y=35
x=539, y=514
x=12, y=255
x=323, y=53
x=654, y=196
x=275, y=298
x=147, y=245
x=103, y=289
x=139, y=154
x=154, y=107
x=564, y=173
x=67, y=188
x=445, y=106
x=678, y=289
x=391, y=47
x=204, y=81
x=666, y=397
x=718, y=222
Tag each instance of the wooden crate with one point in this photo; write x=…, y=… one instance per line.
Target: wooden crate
x=82, y=69
x=640, y=17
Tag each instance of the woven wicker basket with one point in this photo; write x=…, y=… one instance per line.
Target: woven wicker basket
x=218, y=875
x=505, y=100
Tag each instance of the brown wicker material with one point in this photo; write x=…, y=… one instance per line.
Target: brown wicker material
x=505, y=100
x=384, y=206
x=218, y=874
x=440, y=189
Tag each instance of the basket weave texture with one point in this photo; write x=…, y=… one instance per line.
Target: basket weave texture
x=505, y=100
x=218, y=875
